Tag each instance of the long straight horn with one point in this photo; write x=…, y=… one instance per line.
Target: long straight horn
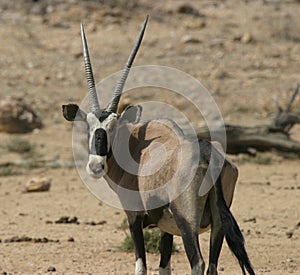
x=120, y=85
x=93, y=99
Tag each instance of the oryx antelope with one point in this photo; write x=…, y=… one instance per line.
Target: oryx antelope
x=188, y=214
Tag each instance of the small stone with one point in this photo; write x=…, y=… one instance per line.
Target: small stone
x=194, y=24
x=246, y=38
x=60, y=76
x=61, y=24
x=49, y=9
x=250, y=220
x=38, y=9
x=38, y=185
x=219, y=74
x=188, y=9
x=29, y=65
x=51, y=269
x=71, y=239
x=67, y=220
x=187, y=39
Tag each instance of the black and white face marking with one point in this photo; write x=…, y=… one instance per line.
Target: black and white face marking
x=99, y=142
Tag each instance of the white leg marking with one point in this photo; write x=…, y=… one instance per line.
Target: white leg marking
x=166, y=270
x=140, y=268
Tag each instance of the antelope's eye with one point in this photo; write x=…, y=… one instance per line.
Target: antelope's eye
x=100, y=141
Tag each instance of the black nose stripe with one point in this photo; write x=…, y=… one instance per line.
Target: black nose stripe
x=100, y=142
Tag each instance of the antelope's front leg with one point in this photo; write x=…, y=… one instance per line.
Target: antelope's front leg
x=136, y=230
x=166, y=245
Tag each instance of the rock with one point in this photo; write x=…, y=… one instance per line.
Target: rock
x=250, y=220
x=61, y=24
x=60, y=76
x=16, y=116
x=51, y=269
x=38, y=185
x=93, y=223
x=188, y=39
x=67, y=220
x=188, y=9
x=17, y=239
x=39, y=9
x=194, y=24
x=219, y=74
x=246, y=38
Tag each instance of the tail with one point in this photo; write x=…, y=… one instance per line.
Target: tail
x=232, y=232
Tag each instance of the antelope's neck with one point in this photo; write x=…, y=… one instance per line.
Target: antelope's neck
x=124, y=158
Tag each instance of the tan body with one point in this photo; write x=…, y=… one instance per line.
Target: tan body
x=147, y=142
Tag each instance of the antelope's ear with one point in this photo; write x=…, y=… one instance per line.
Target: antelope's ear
x=72, y=112
x=132, y=114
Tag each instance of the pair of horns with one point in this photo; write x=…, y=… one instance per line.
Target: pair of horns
x=93, y=98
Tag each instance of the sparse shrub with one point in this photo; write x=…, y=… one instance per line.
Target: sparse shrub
x=126, y=245
x=122, y=3
x=259, y=158
x=264, y=159
x=6, y=171
x=151, y=240
x=20, y=146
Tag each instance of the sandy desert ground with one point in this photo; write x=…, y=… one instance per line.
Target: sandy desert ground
x=243, y=52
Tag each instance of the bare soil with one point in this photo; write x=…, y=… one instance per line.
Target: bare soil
x=244, y=52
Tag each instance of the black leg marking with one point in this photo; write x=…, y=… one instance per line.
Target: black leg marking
x=166, y=246
x=138, y=239
x=216, y=235
x=216, y=241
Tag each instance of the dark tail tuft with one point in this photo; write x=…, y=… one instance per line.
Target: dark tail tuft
x=232, y=232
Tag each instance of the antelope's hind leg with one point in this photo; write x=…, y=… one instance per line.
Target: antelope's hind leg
x=216, y=235
x=166, y=245
x=187, y=211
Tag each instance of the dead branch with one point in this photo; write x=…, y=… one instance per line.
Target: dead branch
x=275, y=136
